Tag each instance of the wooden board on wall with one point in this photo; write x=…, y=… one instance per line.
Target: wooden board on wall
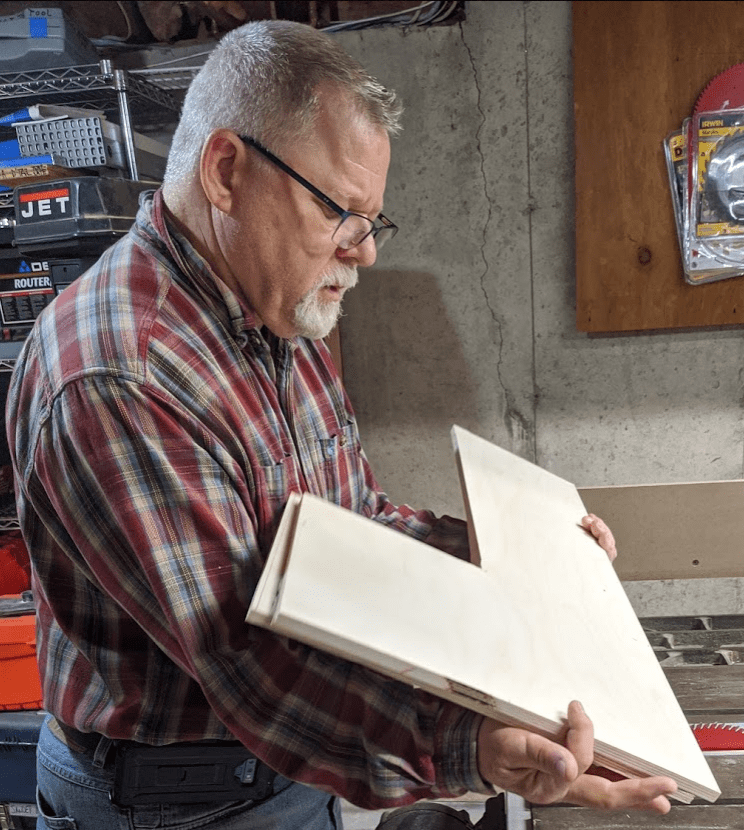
x=674, y=531
x=638, y=70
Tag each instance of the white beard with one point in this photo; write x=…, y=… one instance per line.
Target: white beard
x=315, y=318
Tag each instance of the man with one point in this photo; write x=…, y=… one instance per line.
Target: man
x=160, y=414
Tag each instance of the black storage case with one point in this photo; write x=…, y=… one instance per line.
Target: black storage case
x=19, y=735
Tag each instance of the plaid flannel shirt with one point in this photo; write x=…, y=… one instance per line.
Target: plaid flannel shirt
x=156, y=434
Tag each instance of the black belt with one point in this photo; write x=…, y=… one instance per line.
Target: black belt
x=188, y=772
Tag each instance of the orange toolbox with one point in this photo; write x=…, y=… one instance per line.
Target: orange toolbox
x=20, y=687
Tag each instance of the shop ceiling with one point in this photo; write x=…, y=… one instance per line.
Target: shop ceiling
x=125, y=24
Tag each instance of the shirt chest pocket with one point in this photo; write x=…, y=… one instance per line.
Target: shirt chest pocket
x=273, y=484
x=338, y=468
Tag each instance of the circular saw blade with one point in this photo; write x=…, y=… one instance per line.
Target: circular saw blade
x=723, y=92
x=724, y=180
x=716, y=737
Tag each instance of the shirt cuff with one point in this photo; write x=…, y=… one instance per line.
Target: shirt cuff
x=457, y=749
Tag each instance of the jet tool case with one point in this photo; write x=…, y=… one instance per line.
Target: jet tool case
x=85, y=213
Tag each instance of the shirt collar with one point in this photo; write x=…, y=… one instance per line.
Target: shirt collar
x=197, y=272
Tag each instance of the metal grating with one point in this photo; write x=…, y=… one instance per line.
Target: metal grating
x=678, y=641
x=168, y=78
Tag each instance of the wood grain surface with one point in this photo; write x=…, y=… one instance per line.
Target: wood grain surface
x=638, y=69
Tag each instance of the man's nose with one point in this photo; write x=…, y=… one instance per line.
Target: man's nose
x=364, y=254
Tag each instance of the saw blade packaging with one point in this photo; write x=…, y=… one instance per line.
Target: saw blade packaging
x=705, y=166
x=699, y=264
x=717, y=195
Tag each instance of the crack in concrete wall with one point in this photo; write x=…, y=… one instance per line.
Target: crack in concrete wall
x=530, y=425
x=489, y=213
x=519, y=426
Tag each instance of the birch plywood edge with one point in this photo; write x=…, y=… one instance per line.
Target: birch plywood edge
x=572, y=632
x=267, y=592
x=506, y=640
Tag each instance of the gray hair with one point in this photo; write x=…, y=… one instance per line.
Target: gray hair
x=264, y=79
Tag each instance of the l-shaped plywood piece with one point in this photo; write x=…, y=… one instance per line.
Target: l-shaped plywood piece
x=543, y=622
x=577, y=633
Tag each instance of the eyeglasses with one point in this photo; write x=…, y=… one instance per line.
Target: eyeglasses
x=353, y=228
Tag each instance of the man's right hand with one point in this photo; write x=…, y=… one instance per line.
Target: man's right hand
x=544, y=772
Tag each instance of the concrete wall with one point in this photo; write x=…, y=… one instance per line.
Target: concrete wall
x=468, y=315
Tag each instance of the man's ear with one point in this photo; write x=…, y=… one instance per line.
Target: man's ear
x=220, y=168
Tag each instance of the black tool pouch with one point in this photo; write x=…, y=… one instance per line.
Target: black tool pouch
x=188, y=773
x=425, y=816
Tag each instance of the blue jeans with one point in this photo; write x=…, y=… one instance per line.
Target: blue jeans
x=73, y=794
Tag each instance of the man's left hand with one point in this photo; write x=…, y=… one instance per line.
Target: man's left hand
x=601, y=533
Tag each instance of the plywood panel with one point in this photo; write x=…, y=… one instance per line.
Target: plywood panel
x=559, y=587
x=638, y=69
x=544, y=620
x=674, y=531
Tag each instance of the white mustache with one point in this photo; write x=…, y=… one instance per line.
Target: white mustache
x=342, y=276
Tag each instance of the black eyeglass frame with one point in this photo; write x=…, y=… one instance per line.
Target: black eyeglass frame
x=386, y=225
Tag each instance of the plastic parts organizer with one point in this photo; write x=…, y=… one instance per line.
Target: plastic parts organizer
x=81, y=142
